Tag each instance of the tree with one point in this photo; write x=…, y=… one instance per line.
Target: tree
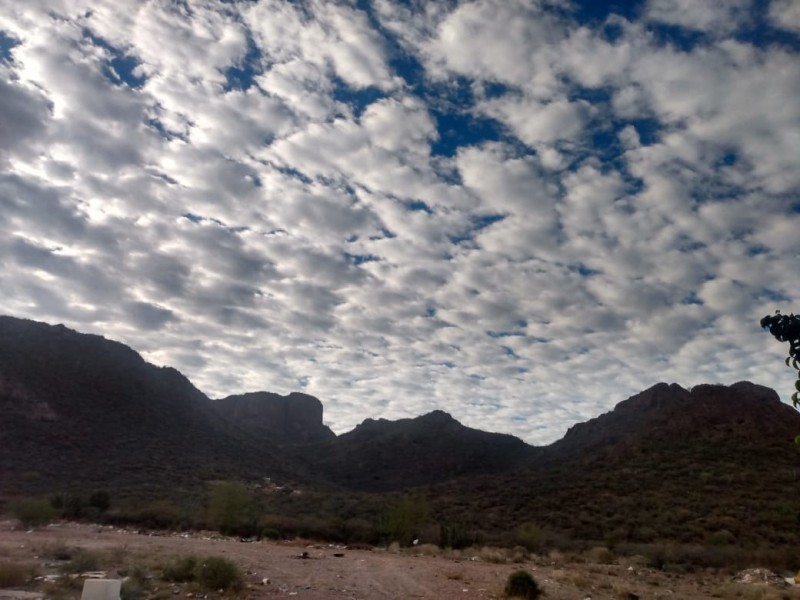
x=786, y=328
x=33, y=512
x=101, y=500
x=405, y=519
x=231, y=509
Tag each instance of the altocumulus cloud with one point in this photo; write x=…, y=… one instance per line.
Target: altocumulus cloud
x=520, y=212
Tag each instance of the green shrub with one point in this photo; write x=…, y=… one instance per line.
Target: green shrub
x=521, y=584
x=57, y=551
x=180, y=570
x=32, y=512
x=231, y=509
x=600, y=555
x=530, y=536
x=160, y=514
x=101, y=500
x=13, y=575
x=68, y=505
x=132, y=589
x=405, y=519
x=82, y=560
x=218, y=573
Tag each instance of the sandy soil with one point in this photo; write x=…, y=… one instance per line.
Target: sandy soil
x=275, y=570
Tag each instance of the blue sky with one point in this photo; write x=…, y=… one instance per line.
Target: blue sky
x=517, y=211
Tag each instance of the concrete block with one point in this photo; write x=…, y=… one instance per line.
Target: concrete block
x=101, y=589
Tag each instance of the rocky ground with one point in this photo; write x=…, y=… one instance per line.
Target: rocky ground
x=308, y=571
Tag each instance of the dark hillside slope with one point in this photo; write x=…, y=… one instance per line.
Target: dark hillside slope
x=79, y=409
x=713, y=464
x=381, y=455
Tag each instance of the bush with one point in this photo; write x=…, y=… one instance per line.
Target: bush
x=231, y=509
x=82, y=561
x=13, y=575
x=32, y=512
x=101, y=500
x=600, y=555
x=217, y=573
x=212, y=572
x=68, y=505
x=404, y=520
x=132, y=589
x=530, y=536
x=180, y=570
x=494, y=555
x=521, y=584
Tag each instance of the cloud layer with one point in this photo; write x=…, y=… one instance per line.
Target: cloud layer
x=520, y=212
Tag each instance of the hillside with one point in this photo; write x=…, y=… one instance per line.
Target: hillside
x=381, y=455
x=714, y=464
x=80, y=409
x=710, y=465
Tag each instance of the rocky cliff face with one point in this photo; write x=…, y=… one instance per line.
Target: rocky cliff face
x=292, y=419
x=741, y=411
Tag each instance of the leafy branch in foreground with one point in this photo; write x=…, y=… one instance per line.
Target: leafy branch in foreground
x=786, y=328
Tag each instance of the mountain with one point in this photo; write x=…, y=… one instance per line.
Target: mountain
x=292, y=419
x=381, y=455
x=80, y=409
x=711, y=465
x=743, y=412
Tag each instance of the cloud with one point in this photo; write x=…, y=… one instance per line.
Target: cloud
x=785, y=14
x=719, y=18
x=492, y=208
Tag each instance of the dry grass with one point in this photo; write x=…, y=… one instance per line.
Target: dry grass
x=493, y=555
x=427, y=550
x=13, y=575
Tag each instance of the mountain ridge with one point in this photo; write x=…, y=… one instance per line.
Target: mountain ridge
x=74, y=399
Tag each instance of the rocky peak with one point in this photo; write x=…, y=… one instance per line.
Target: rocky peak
x=670, y=411
x=293, y=419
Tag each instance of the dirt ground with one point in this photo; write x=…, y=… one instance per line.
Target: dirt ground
x=276, y=570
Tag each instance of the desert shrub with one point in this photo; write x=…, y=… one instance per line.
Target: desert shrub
x=456, y=536
x=57, y=551
x=63, y=588
x=218, y=573
x=494, y=555
x=180, y=569
x=32, y=512
x=68, y=505
x=270, y=533
x=519, y=554
x=530, y=536
x=405, y=519
x=319, y=528
x=521, y=584
x=132, y=589
x=82, y=560
x=13, y=575
x=231, y=509
x=100, y=500
x=159, y=514
x=600, y=555
x=359, y=530
x=135, y=583
x=427, y=550
x=723, y=537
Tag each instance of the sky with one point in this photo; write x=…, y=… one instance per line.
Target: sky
x=517, y=211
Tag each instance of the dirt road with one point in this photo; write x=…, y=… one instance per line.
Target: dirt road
x=277, y=570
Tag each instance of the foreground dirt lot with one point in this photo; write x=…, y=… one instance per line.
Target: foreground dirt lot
x=276, y=570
